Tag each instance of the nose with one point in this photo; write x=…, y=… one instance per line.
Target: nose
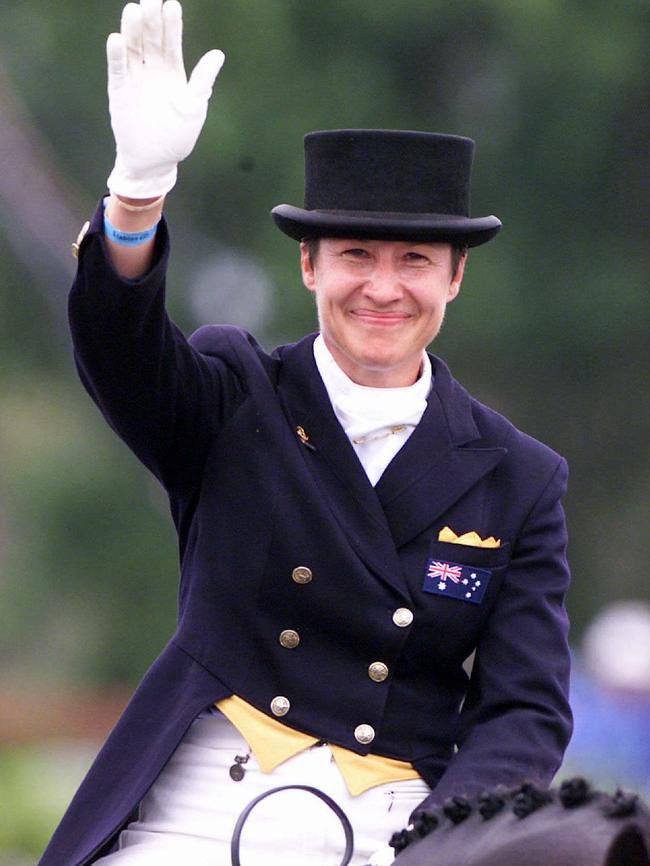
x=383, y=286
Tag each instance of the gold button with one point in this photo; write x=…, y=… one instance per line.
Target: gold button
x=289, y=638
x=301, y=574
x=377, y=672
x=403, y=617
x=364, y=734
x=280, y=705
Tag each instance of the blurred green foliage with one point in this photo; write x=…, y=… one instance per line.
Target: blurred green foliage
x=551, y=327
x=36, y=784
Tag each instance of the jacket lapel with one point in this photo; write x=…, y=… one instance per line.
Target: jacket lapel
x=335, y=467
x=437, y=464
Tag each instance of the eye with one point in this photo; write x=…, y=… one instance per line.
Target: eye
x=356, y=253
x=413, y=258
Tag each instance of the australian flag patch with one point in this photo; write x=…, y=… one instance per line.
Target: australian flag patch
x=456, y=581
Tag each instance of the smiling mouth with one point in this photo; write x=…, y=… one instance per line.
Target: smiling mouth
x=378, y=317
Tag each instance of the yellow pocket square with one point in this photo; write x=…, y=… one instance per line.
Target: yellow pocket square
x=471, y=539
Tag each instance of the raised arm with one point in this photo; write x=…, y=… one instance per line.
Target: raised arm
x=162, y=396
x=156, y=115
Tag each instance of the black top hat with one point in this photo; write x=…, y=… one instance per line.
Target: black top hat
x=573, y=825
x=377, y=183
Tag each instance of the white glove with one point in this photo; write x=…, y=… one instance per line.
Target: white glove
x=156, y=113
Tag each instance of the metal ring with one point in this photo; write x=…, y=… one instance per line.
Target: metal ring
x=334, y=806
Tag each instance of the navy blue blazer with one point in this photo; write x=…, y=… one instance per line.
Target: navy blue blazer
x=215, y=420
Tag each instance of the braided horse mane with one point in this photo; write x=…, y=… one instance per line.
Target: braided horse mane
x=571, y=825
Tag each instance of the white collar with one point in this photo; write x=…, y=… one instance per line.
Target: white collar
x=363, y=411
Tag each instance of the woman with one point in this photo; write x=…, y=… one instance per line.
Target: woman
x=352, y=524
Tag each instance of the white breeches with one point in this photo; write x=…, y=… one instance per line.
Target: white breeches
x=188, y=816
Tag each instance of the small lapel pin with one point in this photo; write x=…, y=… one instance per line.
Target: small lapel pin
x=82, y=234
x=304, y=438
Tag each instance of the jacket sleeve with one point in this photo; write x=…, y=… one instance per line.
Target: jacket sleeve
x=515, y=722
x=164, y=398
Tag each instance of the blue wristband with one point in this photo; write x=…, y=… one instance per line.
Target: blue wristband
x=128, y=239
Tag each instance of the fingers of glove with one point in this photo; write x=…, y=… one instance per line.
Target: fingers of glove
x=173, y=36
x=205, y=72
x=152, y=30
x=131, y=28
x=116, y=57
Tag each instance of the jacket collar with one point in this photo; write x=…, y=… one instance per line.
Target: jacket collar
x=433, y=469
x=442, y=459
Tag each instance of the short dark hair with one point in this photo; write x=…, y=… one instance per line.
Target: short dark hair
x=458, y=251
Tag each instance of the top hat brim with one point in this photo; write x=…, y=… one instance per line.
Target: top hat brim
x=300, y=223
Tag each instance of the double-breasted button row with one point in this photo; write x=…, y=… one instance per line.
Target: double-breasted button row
x=289, y=639
x=378, y=673
x=363, y=734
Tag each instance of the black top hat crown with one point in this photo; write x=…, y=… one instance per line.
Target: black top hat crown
x=387, y=184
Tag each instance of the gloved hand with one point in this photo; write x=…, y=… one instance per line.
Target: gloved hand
x=156, y=113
